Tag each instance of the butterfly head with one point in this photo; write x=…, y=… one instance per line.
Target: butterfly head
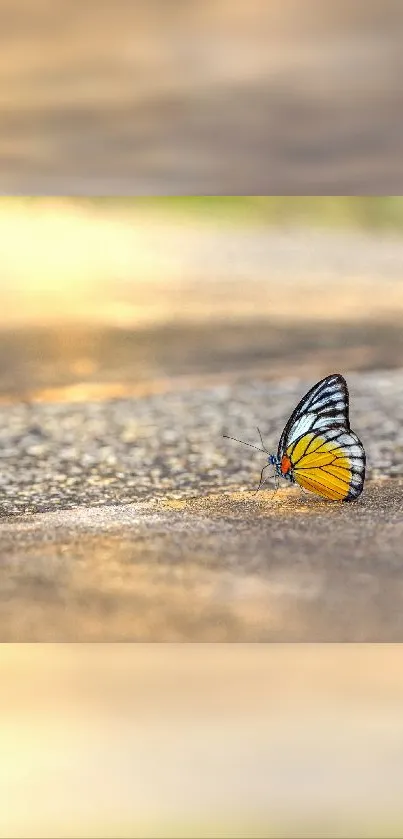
x=275, y=461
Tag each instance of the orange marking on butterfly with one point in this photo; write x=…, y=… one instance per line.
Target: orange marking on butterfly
x=285, y=465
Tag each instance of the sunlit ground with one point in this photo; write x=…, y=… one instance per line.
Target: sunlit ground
x=201, y=740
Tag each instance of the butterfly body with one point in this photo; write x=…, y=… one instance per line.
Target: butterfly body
x=283, y=466
x=317, y=449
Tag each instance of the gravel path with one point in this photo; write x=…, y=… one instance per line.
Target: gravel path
x=58, y=456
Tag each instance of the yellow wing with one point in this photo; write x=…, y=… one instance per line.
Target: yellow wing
x=330, y=463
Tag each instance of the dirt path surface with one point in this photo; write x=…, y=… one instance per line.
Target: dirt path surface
x=219, y=568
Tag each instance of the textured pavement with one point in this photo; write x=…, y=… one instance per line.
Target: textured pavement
x=134, y=520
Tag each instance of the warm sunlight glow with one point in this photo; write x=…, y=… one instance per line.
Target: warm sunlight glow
x=130, y=264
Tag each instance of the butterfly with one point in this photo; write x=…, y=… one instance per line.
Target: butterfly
x=317, y=449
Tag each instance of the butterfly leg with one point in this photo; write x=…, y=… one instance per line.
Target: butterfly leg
x=261, y=478
x=277, y=482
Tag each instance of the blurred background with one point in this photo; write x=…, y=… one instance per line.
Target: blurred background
x=114, y=296
x=108, y=297
x=166, y=96
x=204, y=740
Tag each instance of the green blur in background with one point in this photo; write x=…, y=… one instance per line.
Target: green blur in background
x=369, y=213
x=366, y=212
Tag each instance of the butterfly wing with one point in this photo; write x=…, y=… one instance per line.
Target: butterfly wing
x=325, y=405
x=327, y=457
x=330, y=463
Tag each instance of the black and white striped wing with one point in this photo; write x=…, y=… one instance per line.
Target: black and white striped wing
x=326, y=405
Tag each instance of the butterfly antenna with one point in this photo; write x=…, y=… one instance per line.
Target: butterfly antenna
x=245, y=444
x=261, y=440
